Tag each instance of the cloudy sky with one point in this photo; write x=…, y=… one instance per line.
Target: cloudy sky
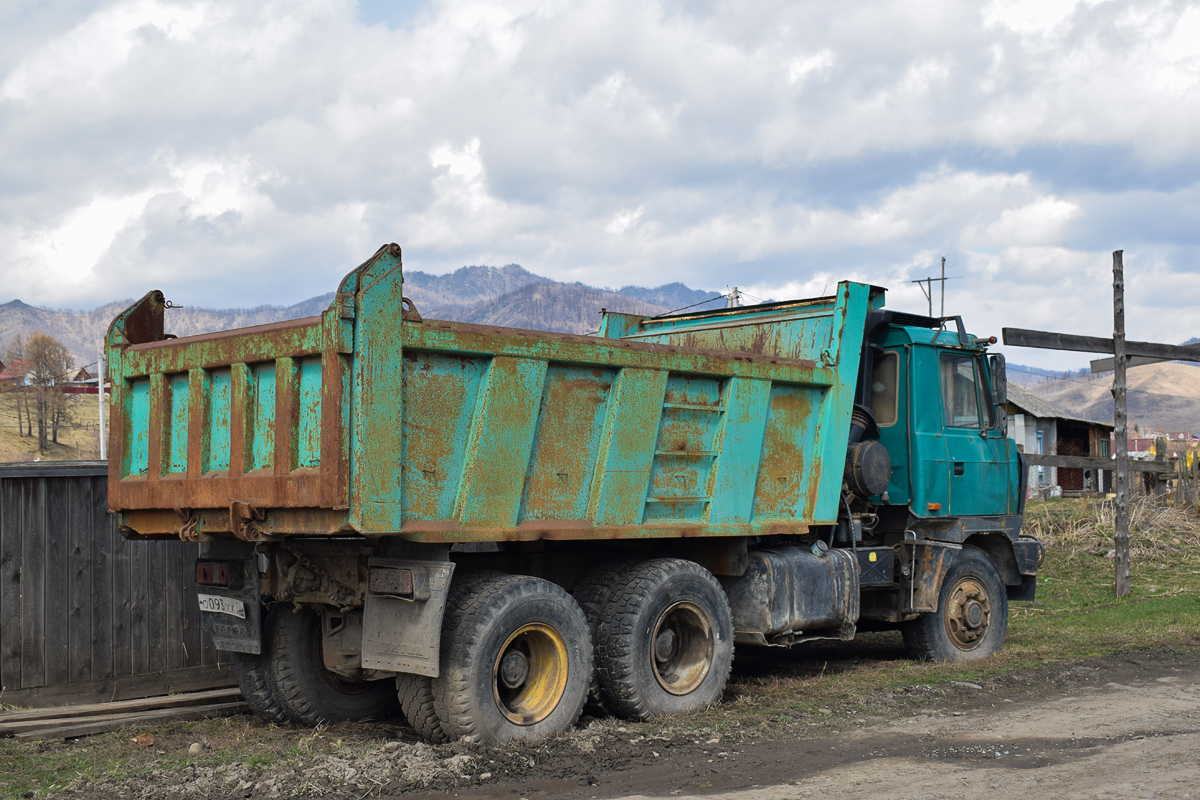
x=241, y=153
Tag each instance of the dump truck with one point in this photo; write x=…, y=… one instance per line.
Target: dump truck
x=488, y=528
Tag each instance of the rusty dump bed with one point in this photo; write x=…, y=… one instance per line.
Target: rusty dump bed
x=369, y=420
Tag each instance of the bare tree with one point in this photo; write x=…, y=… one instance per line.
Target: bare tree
x=15, y=358
x=47, y=362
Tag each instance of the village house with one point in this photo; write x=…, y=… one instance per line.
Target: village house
x=1040, y=427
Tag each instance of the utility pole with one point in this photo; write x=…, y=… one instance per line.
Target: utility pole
x=1121, y=424
x=943, y=313
x=1121, y=350
x=733, y=299
x=100, y=394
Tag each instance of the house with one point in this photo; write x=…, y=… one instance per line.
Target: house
x=1040, y=427
x=14, y=374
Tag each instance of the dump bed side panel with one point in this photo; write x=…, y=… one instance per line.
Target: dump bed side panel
x=371, y=420
x=513, y=435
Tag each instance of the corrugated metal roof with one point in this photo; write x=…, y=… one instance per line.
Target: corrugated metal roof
x=1030, y=403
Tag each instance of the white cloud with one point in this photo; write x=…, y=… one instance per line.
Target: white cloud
x=780, y=146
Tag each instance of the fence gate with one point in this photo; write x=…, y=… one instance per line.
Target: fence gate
x=86, y=615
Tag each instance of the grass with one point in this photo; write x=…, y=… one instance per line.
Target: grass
x=77, y=440
x=1076, y=617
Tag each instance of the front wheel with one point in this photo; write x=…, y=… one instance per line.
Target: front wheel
x=972, y=616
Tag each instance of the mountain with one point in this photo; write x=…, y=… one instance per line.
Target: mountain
x=1161, y=397
x=509, y=296
x=1028, y=377
x=554, y=306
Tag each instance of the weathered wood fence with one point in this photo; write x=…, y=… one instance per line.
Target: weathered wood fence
x=86, y=615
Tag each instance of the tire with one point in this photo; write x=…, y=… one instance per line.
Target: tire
x=253, y=677
x=310, y=694
x=593, y=593
x=972, y=617
x=665, y=640
x=516, y=660
x=416, y=701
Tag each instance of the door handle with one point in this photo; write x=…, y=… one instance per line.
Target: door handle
x=958, y=468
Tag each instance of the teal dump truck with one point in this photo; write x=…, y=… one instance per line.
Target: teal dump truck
x=487, y=527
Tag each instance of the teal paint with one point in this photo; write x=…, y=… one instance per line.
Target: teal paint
x=440, y=393
x=481, y=432
x=262, y=424
x=783, y=482
x=501, y=442
x=308, y=433
x=618, y=495
x=826, y=445
x=569, y=427
x=740, y=450
x=137, y=427
x=177, y=426
x=685, y=451
x=219, y=407
x=376, y=394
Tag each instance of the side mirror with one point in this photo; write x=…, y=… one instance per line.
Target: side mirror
x=999, y=380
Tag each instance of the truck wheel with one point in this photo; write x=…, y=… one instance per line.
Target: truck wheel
x=972, y=616
x=516, y=660
x=416, y=701
x=592, y=593
x=665, y=640
x=309, y=693
x=253, y=675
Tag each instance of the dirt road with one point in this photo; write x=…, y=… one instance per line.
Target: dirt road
x=1124, y=726
x=1121, y=728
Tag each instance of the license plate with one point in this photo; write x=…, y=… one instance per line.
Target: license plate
x=222, y=605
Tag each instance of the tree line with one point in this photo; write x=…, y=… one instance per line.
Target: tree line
x=38, y=368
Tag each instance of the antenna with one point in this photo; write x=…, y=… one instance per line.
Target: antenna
x=926, y=285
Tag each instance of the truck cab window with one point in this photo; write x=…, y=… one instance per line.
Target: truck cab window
x=960, y=396
x=884, y=388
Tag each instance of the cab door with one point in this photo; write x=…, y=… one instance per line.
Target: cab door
x=977, y=459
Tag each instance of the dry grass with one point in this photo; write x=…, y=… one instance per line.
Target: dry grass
x=1076, y=528
x=77, y=440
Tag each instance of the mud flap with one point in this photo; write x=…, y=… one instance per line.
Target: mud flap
x=402, y=614
x=928, y=563
x=231, y=615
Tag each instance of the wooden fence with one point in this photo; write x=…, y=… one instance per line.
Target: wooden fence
x=86, y=615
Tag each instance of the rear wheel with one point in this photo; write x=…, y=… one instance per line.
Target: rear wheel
x=665, y=640
x=593, y=593
x=416, y=701
x=253, y=677
x=308, y=692
x=972, y=617
x=516, y=660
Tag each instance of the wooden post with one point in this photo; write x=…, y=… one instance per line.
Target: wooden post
x=1158, y=485
x=1120, y=421
x=1179, y=477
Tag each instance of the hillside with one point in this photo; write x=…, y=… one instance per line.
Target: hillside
x=1161, y=397
x=508, y=295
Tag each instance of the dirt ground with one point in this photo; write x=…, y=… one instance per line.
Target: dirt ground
x=1123, y=726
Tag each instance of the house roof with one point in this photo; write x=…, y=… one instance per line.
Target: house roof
x=13, y=370
x=1030, y=403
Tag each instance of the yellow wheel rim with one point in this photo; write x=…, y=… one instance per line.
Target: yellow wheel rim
x=529, y=676
x=968, y=613
x=681, y=648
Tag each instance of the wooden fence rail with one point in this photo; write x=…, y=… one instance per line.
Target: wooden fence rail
x=86, y=615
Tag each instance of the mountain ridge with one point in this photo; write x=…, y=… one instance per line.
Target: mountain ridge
x=509, y=296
